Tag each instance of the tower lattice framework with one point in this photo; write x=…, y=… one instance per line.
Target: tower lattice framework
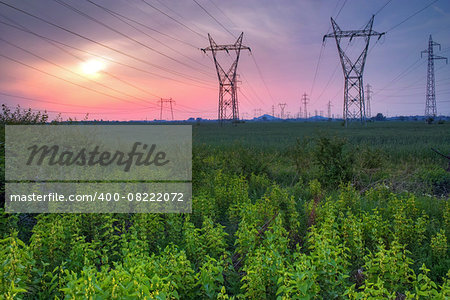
x=430, y=100
x=354, y=106
x=228, y=109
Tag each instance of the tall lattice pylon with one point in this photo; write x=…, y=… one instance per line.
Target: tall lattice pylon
x=305, y=101
x=228, y=99
x=354, y=107
x=161, y=106
x=430, y=102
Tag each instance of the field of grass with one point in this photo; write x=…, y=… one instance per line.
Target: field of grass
x=280, y=211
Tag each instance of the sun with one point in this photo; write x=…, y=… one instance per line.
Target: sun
x=92, y=67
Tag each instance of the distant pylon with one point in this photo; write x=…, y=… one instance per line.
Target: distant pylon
x=353, y=71
x=282, y=107
x=369, y=93
x=273, y=110
x=161, y=102
x=329, y=109
x=257, y=112
x=430, y=102
x=228, y=99
x=305, y=101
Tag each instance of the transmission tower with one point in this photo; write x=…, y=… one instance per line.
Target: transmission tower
x=257, y=112
x=282, y=107
x=305, y=101
x=369, y=93
x=353, y=71
x=273, y=110
x=228, y=100
x=161, y=105
x=329, y=109
x=430, y=102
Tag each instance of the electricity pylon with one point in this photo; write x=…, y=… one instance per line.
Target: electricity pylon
x=282, y=106
x=228, y=99
x=305, y=100
x=430, y=102
x=161, y=104
x=353, y=71
x=369, y=93
x=329, y=109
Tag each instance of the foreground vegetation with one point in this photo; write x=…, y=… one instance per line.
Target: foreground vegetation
x=282, y=210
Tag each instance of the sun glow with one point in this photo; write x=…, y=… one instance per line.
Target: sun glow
x=92, y=67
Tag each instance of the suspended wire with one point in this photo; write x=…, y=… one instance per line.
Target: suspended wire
x=162, y=2
x=77, y=11
x=70, y=71
x=121, y=17
x=253, y=58
x=80, y=59
x=175, y=20
x=409, y=17
x=262, y=78
x=78, y=113
x=337, y=66
x=63, y=79
x=381, y=8
x=415, y=82
x=402, y=74
x=153, y=29
x=321, y=52
x=118, y=110
x=100, y=44
x=217, y=21
x=222, y=12
x=413, y=15
x=27, y=30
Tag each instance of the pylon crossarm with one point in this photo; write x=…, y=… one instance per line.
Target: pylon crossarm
x=353, y=33
x=440, y=57
x=225, y=48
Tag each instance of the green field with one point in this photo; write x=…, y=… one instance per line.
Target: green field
x=280, y=211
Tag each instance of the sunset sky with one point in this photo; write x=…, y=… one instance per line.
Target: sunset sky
x=116, y=59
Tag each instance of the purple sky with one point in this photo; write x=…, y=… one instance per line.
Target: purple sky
x=163, y=59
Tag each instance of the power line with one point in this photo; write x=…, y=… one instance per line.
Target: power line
x=222, y=12
x=121, y=17
x=173, y=19
x=77, y=11
x=54, y=44
x=27, y=30
x=217, y=21
x=69, y=71
x=321, y=52
x=381, y=8
x=414, y=14
x=100, y=44
x=253, y=58
x=262, y=78
x=155, y=30
x=63, y=79
x=177, y=14
x=119, y=110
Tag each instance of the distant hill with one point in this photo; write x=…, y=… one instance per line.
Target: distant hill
x=266, y=117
